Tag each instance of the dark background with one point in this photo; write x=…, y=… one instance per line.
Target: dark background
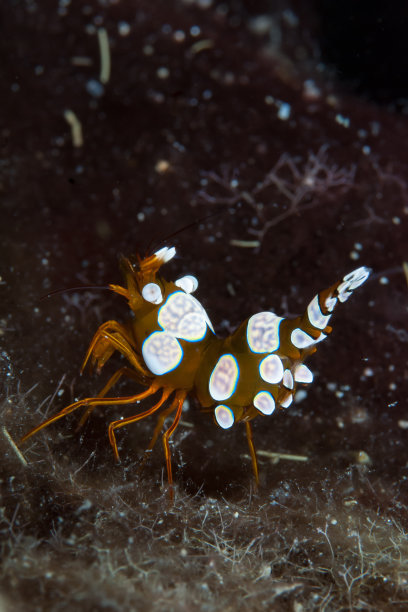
x=288, y=120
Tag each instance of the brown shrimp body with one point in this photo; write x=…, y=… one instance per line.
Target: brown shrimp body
x=171, y=347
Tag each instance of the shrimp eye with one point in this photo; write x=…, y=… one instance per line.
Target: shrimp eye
x=152, y=293
x=187, y=283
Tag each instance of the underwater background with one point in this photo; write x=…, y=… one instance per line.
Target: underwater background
x=278, y=133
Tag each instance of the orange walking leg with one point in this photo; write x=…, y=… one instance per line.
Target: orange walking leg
x=163, y=416
x=252, y=451
x=132, y=419
x=178, y=401
x=91, y=401
x=111, y=382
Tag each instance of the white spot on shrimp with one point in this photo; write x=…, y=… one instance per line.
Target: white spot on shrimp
x=161, y=352
x=330, y=303
x=152, y=293
x=224, y=416
x=287, y=401
x=303, y=374
x=271, y=369
x=288, y=379
x=264, y=402
x=263, y=332
x=187, y=283
x=301, y=339
x=224, y=378
x=184, y=317
x=316, y=317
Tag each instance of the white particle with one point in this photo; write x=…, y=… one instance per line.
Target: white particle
x=123, y=28
x=179, y=36
x=163, y=72
x=195, y=30
x=284, y=111
x=384, y=280
x=310, y=90
x=343, y=121
x=300, y=395
x=95, y=88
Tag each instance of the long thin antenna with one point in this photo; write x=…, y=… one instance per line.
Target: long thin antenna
x=183, y=229
x=86, y=287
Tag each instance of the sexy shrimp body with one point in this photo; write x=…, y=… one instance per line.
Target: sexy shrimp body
x=171, y=348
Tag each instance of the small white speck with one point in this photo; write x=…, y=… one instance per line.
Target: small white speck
x=269, y=100
x=95, y=88
x=384, y=280
x=123, y=28
x=396, y=220
x=148, y=50
x=392, y=386
x=140, y=216
x=310, y=90
x=368, y=372
x=403, y=424
x=366, y=150
x=162, y=166
x=195, y=30
x=179, y=36
x=354, y=255
x=341, y=120
x=300, y=395
x=163, y=72
x=284, y=111
x=204, y=4
x=358, y=246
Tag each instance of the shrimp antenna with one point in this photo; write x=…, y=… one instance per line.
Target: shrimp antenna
x=183, y=229
x=82, y=287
